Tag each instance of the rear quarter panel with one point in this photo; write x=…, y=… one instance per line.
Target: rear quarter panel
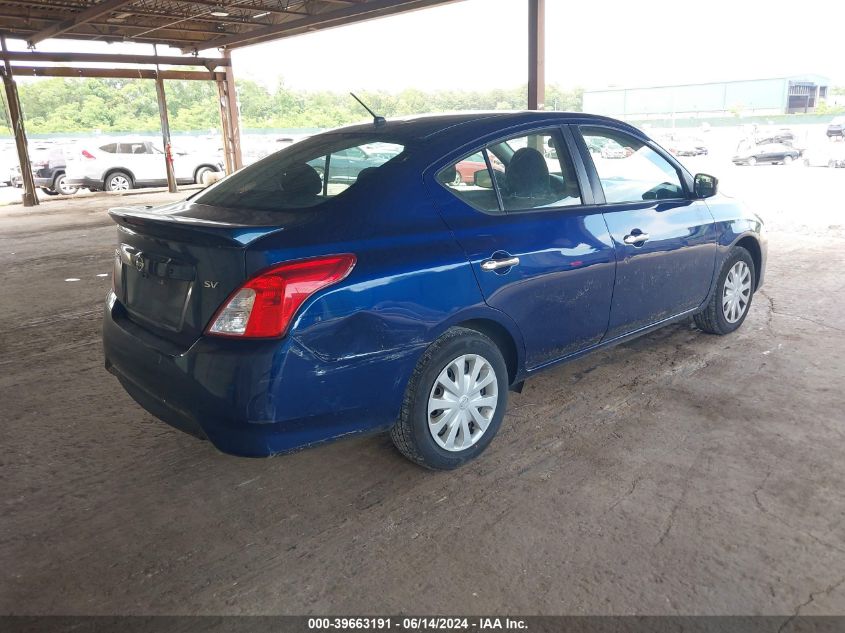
x=353, y=347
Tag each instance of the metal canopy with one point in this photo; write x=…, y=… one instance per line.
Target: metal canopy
x=192, y=26
x=189, y=25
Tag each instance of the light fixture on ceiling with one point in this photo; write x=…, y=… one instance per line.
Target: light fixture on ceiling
x=263, y=14
x=219, y=12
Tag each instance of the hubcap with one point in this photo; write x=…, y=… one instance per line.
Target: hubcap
x=462, y=402
x=737, y=292
x=119, y=184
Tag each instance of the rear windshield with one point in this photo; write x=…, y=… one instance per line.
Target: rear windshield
x=305, y=174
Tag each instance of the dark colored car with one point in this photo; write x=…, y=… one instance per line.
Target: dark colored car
x=766, y=153
x=836, y=127
x=48, y=170
x=271, y=311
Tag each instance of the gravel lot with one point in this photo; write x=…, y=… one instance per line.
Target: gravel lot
x=679, y=473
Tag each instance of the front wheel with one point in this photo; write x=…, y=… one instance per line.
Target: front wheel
x=455, y=401
x=787, y=160
x=752, y=161
x=731, y=299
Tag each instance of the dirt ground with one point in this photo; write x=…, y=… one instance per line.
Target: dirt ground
x=679, y=473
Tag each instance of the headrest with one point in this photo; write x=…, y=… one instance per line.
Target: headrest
x=527, y=174
x=302, y=179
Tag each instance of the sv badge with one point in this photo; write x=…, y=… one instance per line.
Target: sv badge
x=210, y=284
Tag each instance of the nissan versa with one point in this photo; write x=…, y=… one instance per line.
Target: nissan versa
x=282, y=307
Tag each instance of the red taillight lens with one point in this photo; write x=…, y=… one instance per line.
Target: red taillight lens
x=265, y=305
x=87, y=154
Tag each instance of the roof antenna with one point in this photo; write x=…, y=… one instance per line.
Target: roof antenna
x=377, y=120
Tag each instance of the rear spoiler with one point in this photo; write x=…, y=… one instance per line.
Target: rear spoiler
x=197, y=223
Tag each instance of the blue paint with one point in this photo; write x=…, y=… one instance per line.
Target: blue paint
x=345, y=364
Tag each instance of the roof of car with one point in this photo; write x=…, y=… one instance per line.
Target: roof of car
x=429, y=125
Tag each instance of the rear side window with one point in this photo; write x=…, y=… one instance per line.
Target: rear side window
x=524, y=173
x=469, y=179
x=629, y=170
x=110, y=148
x=304, y=174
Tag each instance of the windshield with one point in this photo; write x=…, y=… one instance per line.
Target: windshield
x=305, y=174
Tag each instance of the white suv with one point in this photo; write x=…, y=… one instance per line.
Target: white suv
x=118, y=165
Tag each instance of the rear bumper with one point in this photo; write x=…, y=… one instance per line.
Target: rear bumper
x=248, y=398
x=46, y=183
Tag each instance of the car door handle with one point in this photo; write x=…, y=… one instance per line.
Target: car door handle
x=496, y=264
x=636, y=238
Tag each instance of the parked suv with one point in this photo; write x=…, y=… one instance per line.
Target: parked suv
x=48, y=170
x=122, y=164
x=835, y=127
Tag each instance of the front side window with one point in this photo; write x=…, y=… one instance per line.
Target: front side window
x=304, y=174
x=133, y=148
x=531, y=171
x=629, y=170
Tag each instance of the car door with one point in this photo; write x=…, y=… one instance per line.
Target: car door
x=665, y=240
x=540, y=250
x=137, y=157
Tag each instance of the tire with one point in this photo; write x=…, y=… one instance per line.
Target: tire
x=414, y=432
x=118, y=181
x=831, y=164
x=60, y=186
x=49, y=192
x=718, y=317
x=752, y=161
x=199, y=177
x=787, y=160
x=806, y=162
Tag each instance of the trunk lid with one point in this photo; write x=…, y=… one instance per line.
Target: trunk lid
x=175, y=265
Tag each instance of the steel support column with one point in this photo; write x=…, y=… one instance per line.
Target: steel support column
x=13, y=105
x=165, y=127
x=229, y=119
x=536, y=54
x=165, y=135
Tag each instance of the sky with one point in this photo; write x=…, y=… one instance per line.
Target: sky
x=482, y=44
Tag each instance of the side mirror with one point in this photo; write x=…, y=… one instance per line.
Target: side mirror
x=705, y=186
x=482, y=179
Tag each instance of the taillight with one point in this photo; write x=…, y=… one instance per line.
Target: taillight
x=265, y=305
x=87, y=154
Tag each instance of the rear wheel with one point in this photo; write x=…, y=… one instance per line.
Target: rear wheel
x=730, y=302
x=752, y=161
x=787, y=160
x=118, y=181
x=49, y=192
x=199, y=177
x=455, y=401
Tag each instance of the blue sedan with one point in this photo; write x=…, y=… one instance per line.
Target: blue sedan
x=280, y=308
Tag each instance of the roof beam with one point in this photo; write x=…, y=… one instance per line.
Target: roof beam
x=116, y=73
x=115, y=58
x=91, y=13
x=330, y=19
